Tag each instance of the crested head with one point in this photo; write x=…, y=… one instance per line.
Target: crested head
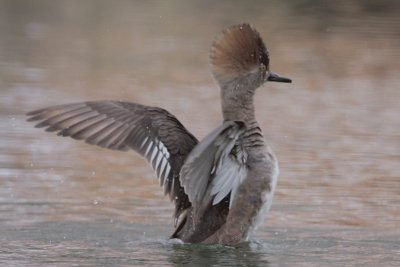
x=240, y=57
x=237, y=52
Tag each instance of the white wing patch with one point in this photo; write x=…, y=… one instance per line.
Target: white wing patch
x=144, y=142
x=149, y=146
x=158, y=156
x=213, y=158
x=227, y=179
x=228, y=173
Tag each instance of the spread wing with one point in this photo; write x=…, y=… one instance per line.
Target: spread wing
x=152, y=132
x=215, y=167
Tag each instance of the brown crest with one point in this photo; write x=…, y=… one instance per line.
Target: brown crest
x=238, y=50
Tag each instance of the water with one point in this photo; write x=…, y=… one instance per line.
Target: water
x=335, y=130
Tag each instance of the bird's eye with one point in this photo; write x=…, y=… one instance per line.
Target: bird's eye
x=263, y=68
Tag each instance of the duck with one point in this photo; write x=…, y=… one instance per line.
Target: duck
x=221, y=186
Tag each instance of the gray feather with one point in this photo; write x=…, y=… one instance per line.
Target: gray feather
x=152, y=132
x=211, y=171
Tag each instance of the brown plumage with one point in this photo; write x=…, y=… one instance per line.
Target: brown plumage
x=222, y=187
x=122, y=126
x=237, y=51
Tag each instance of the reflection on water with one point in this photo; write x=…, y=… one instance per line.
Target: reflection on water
x=335, y=130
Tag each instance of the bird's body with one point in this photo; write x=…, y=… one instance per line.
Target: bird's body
x=222, y=186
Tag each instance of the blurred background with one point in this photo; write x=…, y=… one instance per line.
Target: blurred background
x=335, y=129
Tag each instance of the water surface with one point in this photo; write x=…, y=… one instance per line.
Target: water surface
x=335, y=130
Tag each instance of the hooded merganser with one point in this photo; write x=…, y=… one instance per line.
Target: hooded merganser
x=222, y=186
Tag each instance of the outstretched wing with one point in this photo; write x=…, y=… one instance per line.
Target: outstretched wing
x=152, y=132
x=216, y=167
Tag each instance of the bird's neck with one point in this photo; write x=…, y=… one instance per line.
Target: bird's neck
x=237, y=104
